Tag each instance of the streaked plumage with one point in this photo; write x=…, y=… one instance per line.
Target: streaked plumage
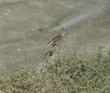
x=55, y=40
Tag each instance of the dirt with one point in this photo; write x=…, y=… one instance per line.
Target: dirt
x=25, y=27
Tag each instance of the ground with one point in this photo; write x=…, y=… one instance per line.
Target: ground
x=25, y=25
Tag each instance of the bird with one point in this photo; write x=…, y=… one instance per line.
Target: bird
x=55, y=40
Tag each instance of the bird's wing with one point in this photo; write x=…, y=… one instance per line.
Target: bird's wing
x=54, y=38
x=50, y=43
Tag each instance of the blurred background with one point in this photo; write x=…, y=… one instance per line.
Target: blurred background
x=26, y=26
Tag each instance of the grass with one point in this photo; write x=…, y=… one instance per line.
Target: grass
x=72, y=74
x=24, y=24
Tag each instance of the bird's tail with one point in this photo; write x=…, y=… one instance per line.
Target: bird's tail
x=48, y=45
